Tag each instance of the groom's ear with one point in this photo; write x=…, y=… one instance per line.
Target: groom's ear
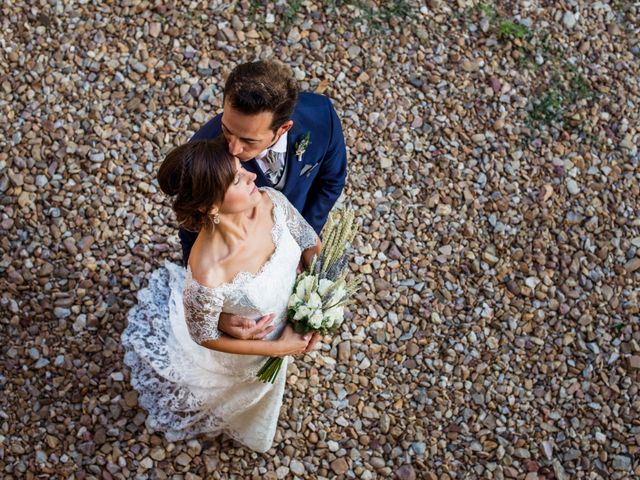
x=285, y=127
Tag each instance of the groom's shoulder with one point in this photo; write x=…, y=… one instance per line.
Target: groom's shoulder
x=313, y=111
x=209, y=130
x=309, y=100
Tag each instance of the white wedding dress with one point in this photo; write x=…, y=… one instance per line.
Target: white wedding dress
x=188, y=389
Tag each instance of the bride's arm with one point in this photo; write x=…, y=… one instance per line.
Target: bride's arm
x=308, y=254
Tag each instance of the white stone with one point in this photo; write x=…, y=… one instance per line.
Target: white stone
x=282, y=472
x=572, y=186
x=569, y=19
x=297, y=467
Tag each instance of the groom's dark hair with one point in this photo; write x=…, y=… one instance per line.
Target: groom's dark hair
x=263, y=86
x=198, y=175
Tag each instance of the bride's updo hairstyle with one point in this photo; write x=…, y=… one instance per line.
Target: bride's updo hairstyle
x=198, y=175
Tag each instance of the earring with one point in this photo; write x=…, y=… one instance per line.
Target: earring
x=216, y=218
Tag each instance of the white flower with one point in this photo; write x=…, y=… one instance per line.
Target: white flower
x=333, y=316
x=314, y=301
x=304, y=287
x=315, y=320
x=294, y=300
x=323, y=286
x=302, y=312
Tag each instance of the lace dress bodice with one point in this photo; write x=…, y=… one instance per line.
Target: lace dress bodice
x=189, y=389
x=245, y=294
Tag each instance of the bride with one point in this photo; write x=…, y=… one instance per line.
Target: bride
x=191, y=377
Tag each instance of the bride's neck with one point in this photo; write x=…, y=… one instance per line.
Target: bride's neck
x=234, y=228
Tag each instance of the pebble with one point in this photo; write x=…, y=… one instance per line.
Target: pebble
x=386, y=162
x=385, y=423
x=339, y=466
x=470, y=66
x=43, y=362
x=297, y=467
x=354, y=51
x=60, y=312
x=97, y=157
x=155, y=28
x=41, y=180
x=632, y=265
x=158, y=453
x=569, y=20
x=572, y=187
x=621, y=462
x=344, y=352
x=282, y=472
x=406, y=472
x=80, y=323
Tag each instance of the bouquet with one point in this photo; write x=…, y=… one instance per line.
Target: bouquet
x=321, y=292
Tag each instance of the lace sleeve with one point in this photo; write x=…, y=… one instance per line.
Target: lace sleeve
x=202, y=307
x=303, y=233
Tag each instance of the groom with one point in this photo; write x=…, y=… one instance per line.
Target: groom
x=292, y=141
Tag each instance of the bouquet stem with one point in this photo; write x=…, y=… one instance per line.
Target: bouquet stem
x=269, y=371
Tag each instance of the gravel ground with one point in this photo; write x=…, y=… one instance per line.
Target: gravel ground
x=495, y=168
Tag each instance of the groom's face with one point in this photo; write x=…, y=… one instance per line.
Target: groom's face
x=248, y=135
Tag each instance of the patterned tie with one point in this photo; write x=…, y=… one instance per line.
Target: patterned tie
x=275, y=166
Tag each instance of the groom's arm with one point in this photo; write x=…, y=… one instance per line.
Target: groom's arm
x=244, y=328
x=330, y=180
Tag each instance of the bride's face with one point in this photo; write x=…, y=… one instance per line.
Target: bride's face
x=242, y=194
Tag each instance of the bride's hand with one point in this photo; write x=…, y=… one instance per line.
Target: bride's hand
x=312, y=343
x=292, y=343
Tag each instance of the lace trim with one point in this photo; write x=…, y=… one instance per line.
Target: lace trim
x=303, y=233
x=202, y=311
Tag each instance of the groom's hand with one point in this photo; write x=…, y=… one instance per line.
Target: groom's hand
x=245, y=328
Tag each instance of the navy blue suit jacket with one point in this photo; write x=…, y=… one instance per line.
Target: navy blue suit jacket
x=324, y=162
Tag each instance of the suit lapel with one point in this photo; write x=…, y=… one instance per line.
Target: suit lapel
x=293, y=166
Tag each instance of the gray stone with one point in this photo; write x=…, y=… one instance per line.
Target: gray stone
x=61, y=312
x=97, y=157
x=297, y=467
x=621, y=462
x=569, y=19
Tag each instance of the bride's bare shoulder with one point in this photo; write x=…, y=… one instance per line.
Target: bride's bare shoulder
x=206, y=268
x=208, y=275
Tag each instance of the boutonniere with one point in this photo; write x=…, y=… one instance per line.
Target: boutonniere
x=302, y=145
